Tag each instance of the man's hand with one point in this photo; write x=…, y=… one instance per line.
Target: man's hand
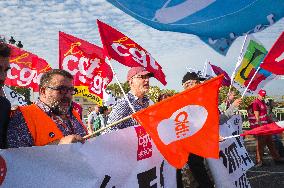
x=237, y=102
x=71, y=139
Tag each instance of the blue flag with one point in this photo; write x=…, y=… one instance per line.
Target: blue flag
x=217, y=22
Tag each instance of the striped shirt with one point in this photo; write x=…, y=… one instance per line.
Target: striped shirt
x=122, y=109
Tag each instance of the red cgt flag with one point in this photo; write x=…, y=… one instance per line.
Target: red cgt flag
x=124, y=50
x=85, y=61
x=26, y=69
x=267, y=129
x=274, y=60
x=185, y=123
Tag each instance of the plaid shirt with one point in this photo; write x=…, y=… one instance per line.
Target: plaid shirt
x=122, y=109
x=18, y=134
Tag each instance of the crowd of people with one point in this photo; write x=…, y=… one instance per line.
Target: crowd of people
x=51, y=120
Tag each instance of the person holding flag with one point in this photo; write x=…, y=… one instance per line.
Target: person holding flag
x=5, y=52
x=257, y=116
x=138, y=79
x=195, y=162
x=51, y=120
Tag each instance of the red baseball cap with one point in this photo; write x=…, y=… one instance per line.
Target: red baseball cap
x=138, y=71
x=262, y=93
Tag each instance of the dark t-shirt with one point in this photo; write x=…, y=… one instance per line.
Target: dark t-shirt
x=5, y=109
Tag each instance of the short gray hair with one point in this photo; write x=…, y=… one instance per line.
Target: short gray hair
x=47, y=77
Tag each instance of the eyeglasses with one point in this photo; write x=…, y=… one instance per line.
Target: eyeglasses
x=63, y=89
x=146, y=76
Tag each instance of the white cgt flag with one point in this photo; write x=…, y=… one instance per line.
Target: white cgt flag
x=15, y=98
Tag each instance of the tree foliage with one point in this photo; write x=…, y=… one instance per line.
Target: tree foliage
x=116, y=89
x=26, y=92
x=154, y=91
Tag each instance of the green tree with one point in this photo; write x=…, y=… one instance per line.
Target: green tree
x=116, y=89
x=26, y=92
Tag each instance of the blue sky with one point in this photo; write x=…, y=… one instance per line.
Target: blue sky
x=36, y=23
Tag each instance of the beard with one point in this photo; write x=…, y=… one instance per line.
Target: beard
x=62, y=106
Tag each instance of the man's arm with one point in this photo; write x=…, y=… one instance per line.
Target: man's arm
x=256, y=110
x=18, y=134
x=256, y=114
x=89, y=123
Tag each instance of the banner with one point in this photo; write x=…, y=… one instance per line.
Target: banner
x=85, y=61
x=26, y=69
x=109, y=160
x=83, y=91
x=185, y=123
x=230, y=169
x=274, y=61
x=127, y=52
x=252, y=57
x=15, y=98
x=216, y=22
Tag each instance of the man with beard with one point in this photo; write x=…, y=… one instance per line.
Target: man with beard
x=138, y=79
x=51, y=120
x=5, y=105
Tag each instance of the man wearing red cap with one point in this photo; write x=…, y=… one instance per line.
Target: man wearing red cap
x=257, y=116
x=138, y=79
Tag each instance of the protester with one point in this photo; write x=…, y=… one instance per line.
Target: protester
x=91, y=118
x=277, y=137
x=5, y=105
x=138, y=79
x=228, y=101
x=257, y=116
x=101, y=120
x=50, y=120
x=163, y=96
x=195, y=162
x=229, y=107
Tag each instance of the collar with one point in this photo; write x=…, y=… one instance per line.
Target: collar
x=145, y=98
x=43, y=106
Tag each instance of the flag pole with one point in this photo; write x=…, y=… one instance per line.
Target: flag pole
x=106, y=127
x=250, y=82
x=5, y=95
x=204, y=68
x=240, y=58
x=114, y=74
x=233, y=136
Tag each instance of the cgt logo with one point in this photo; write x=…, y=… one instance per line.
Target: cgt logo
x=183, y=123
x=3, y=170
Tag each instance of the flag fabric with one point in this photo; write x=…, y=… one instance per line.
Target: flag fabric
x=218, y=71
x=26, y=69
x=185, y=123
x=15, y=98
x=106, y=161
x=253, y=55
x=267, y=129
x=216, y=22
x=127, y=52
x=85, y=61
x=274, y=60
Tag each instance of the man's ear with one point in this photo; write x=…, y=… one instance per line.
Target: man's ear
x=130, y=82
x=42, y=91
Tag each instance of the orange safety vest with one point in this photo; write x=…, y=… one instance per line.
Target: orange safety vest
x=42, y=128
